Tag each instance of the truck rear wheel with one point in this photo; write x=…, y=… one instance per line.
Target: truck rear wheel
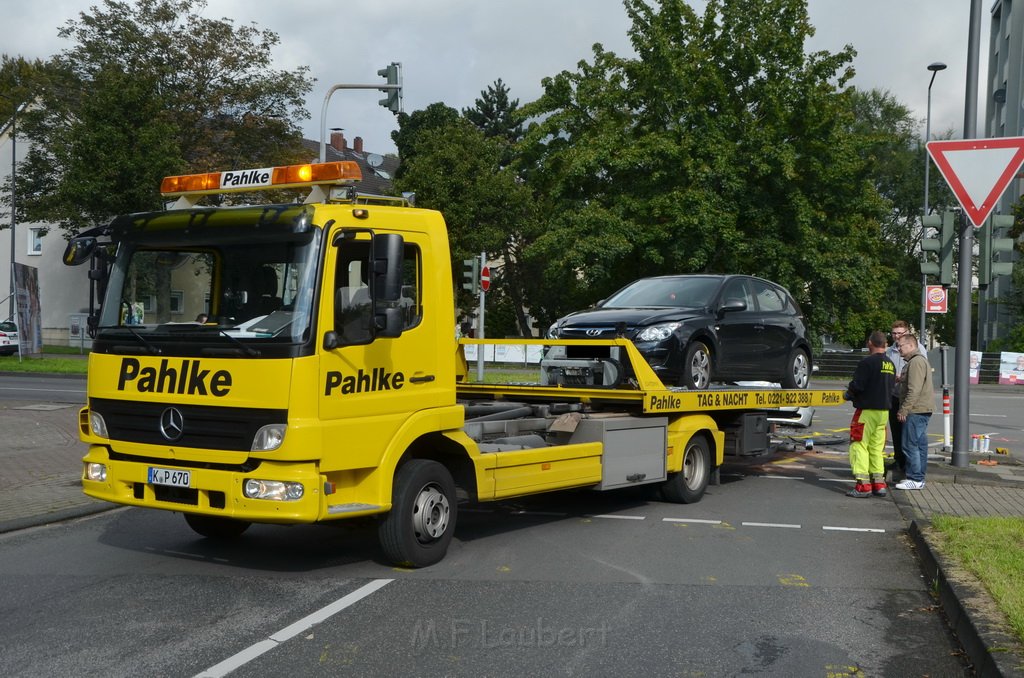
x=215, y=527
x=687, y=486
x=419, y=527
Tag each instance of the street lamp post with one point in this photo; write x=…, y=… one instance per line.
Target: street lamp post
x=14, y=180
x=934, y=68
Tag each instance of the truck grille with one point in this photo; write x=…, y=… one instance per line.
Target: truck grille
x=219, y=428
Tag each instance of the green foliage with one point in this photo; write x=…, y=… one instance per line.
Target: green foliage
x=147, y=89
x=495, y=114
x=723, y=147
x=455, y=167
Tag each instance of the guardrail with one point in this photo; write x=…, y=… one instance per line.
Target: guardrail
x=843, y=365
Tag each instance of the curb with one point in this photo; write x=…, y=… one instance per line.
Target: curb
x=55, y=516
x=992, y=651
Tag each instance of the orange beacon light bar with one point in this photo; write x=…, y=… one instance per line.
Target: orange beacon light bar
x=286, y=176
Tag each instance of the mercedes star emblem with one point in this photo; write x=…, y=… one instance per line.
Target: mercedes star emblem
x=172, y=423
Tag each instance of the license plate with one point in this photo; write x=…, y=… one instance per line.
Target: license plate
x=169, y=476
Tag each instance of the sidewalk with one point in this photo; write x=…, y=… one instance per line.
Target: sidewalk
x=41, y=457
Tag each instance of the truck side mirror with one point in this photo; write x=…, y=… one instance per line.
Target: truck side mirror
x=387, y=266
x=79, y=250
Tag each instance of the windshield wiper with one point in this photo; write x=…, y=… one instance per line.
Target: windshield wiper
x=249, y=350
x=153, y=350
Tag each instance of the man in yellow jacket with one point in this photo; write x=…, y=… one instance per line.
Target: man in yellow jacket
x=917, y=402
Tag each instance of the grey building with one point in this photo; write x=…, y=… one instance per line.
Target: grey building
x=1004, y=117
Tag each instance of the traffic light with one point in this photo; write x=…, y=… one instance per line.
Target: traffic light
x=471, y=273
x=941, y=245
x=989, y=247
x=393, y=74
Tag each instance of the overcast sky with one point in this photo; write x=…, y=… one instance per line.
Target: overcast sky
x=450, y=50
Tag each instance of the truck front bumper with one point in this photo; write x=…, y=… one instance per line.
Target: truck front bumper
x=213, y=492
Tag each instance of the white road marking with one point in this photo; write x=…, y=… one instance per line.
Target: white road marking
x=770, y=475
x=786, y=525
x=557, y=514
x=253, y=651
x=852, y=529
x=615, y=517
x=692, y=520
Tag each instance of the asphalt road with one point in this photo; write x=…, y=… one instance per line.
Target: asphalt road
x=775, y=572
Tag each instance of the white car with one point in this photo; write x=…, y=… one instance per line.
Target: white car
x=8, y=338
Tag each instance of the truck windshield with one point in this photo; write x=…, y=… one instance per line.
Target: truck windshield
x=212, y=294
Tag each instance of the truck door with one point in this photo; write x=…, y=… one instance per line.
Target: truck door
x=369, y=384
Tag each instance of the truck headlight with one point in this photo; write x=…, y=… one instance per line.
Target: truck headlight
x=97, y=472
x=269, y=438
x=657, y=332
x=277, y=490
x=97, y=424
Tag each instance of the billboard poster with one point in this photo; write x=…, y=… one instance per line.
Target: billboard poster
x=30, y=321
x=975, y=366
x=1011, y=368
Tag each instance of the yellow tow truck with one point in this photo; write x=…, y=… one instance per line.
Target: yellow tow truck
x=297, y=363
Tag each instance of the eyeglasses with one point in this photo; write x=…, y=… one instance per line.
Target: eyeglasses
x=897, y=335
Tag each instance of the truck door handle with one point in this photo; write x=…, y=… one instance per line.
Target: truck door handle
x=421, y=380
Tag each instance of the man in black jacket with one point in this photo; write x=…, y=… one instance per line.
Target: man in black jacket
x=870, y=390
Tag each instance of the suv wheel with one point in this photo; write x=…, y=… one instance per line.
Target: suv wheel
x=696, y=367
x=798, y=370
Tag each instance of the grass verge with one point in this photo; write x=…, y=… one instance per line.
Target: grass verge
x=992, y=549
x=75, y=363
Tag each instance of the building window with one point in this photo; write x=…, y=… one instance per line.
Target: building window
x=35, y=241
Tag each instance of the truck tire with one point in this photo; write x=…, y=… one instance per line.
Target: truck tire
x=419, y=527
x=798, y=370
x=215, y=527
x=696, y=367
x=687, y=486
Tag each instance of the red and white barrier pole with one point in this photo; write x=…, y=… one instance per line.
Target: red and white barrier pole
x=946, y=420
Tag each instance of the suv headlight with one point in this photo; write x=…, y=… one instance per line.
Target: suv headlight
x=552, y=332
x=657, y=332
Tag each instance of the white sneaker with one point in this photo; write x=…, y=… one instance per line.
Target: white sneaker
x=908, y=484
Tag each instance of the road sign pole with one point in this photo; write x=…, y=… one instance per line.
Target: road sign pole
x=480, y=328
x=962, y=360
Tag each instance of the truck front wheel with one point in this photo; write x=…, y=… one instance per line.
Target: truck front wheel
x=419, y=527
x=215, y=527
x=687, y=486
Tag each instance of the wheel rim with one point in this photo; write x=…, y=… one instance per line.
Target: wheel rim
x=801, y=370
x=430, y=514
x=693, y=467
x=700, y=368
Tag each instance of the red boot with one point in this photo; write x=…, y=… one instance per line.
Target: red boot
x=860, y=490
x=878, y=489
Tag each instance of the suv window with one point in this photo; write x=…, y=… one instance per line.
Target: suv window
x=769, y=298
x=737, y=290
x=6, y=326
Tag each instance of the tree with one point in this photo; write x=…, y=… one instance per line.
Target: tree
x=149, y=89
x=454, y=167
x=891, y=146
x=722, y=147
x=495, y=115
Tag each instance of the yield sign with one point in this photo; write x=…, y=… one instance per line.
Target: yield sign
x=978, y=170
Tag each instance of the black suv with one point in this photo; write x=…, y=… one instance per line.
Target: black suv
x=698, y=329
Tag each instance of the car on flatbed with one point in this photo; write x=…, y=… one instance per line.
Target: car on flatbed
x=698, y=329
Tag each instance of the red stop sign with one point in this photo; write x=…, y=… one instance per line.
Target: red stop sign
x=485, y=278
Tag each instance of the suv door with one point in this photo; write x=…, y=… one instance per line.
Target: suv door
x=738, y=336
x=778, y=326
